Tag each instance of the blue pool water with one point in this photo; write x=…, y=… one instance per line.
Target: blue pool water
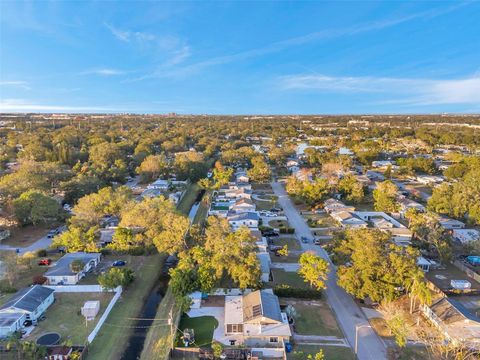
x=474, y=260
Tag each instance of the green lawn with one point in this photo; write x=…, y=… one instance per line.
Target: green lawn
x=413, y=353
x=277, y=223
x=315, y=318
x=159, y=338
x=189, y=198
x=113, y=339
x=64, y=316
x=330, y=352
x=290, y=258
x=202, y=211
x=263, y=205
x=203, y=327
x=282, y=277
x=292, y=243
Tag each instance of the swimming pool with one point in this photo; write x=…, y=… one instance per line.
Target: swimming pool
x=474, y=260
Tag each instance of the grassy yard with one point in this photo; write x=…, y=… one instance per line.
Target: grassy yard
x=263, y=205
x=282, y=277
x=292, y=243
x=290, y=258
x=262, y=187
x=27, y=235
x=112, y=339
x=64, y=316
x=380, y=327
x=159, y=338
x=189, y=198
x=25, y=274
x=330, y=352
x=202, y=211
x=315, y=318
x=277, y=223
x=413, y=353
x=203, y=327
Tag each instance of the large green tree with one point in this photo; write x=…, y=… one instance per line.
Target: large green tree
x=385, y=197
x=33, y=207
x=374, y=267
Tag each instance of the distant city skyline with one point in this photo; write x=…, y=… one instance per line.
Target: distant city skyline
x=240, y=57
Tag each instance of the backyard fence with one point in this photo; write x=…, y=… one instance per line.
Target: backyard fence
x=80, y=288
x=467, y=271
x=118, y=292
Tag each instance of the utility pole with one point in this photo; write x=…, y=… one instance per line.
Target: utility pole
x=170, y=322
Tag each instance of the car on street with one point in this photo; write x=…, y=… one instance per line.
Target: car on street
x=304, y=240
x=119, y=263
x=317, y=242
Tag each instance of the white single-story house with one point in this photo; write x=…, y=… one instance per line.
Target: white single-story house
x=450, y=224
x=348, y=219
x=248, y=219
x=465, y=236
x=256, y=320
x=11, y=322
x=243, y=205
x=32, y=301
x=159, y=184
x=61, y=273
x=333, y=205
x=406, y=203
x=242, y=178
x=423, y=263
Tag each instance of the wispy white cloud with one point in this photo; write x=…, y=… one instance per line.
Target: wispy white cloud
x=21, y=105
x=16, y=83
x=128, y=35
x=326, y=34
x=103, y=72
x=409, y=91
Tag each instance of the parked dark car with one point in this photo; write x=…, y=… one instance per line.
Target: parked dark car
x=45, y=262
x=270, y=234
x=119, y=263
x=304, y=240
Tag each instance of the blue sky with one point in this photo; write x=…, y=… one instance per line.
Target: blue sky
x=224, y=57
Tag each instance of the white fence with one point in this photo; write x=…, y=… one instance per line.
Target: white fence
x=80, y=288
x=118, y=292
x=91, y=289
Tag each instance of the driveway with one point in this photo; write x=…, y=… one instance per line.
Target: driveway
x=348, y=314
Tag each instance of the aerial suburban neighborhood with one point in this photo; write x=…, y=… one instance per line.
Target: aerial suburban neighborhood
x=239, y=180
x=177, y=244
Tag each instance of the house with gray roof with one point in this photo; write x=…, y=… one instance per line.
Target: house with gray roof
x=61, y=272
x=10, y=322
x=31, y=302
x=255, y=319
x=249, y=219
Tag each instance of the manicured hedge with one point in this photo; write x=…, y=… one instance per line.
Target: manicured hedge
x=287, y=291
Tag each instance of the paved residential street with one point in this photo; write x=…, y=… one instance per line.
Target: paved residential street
x=348, y=314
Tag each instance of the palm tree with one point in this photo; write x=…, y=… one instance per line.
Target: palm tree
x=417, y=289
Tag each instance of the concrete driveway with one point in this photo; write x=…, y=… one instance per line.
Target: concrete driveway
x=348, y=314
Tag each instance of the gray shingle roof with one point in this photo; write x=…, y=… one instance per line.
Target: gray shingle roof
x=7, y=319
x=261, y=303
x=62, y=267
x=28, y=299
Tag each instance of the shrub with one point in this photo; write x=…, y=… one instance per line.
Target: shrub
x=287, y=230
x=39, y=280
x=41, y=253
x=288, y=291
x=6, y=288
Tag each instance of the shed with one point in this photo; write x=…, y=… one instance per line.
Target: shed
x=90, y=309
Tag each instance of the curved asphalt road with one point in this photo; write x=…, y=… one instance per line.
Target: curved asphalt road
x=349, y=315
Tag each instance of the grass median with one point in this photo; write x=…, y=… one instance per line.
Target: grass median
x=113, y=337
